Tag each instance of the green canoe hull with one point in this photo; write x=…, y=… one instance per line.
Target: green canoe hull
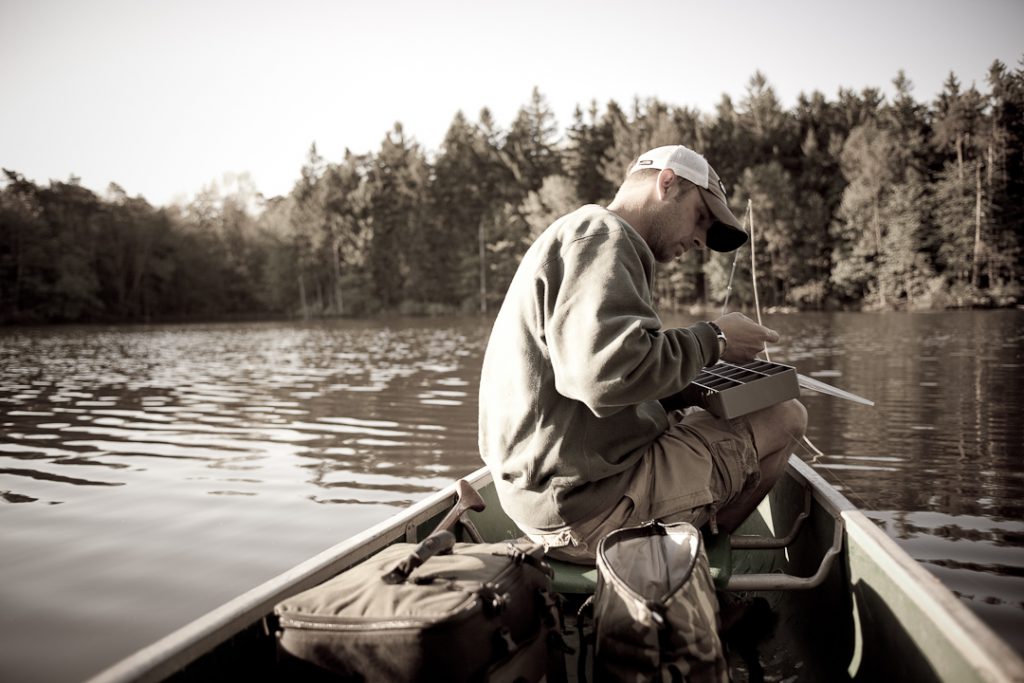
x=874, y=613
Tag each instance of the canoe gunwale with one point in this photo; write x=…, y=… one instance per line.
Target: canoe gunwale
x=988, y=656
x=179, y=648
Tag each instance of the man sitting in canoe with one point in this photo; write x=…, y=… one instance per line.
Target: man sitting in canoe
x=570, y=421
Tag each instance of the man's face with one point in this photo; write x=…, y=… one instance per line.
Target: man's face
x=680, y=223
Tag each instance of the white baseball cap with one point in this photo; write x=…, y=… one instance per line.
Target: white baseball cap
x=725, y=234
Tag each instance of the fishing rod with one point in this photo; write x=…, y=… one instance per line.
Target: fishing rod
x=803, y=380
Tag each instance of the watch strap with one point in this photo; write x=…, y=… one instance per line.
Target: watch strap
x=723, y=342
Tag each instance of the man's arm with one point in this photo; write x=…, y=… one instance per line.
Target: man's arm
x=607, y=347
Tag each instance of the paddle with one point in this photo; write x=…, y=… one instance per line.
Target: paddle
x=468, y=499
x=441, y=539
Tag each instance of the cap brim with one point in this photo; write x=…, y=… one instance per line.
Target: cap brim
x=725, y=234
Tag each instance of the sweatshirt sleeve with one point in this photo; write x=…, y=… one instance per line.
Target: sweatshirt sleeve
x=607, y=347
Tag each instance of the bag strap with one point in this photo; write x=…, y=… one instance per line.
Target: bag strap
x=584, y=618
x=531, y=554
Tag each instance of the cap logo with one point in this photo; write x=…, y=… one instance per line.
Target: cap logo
x=645, y=162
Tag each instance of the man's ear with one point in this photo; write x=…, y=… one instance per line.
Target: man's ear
x=665, y=180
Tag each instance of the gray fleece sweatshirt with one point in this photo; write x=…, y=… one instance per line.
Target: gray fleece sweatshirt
x=574, y=368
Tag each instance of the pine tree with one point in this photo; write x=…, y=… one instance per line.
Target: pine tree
x=1004, y=181
x=958, y=190
x=781, y=248
x=820, y=185
x=26, y=264
x=307, y=221
x=530, y=148
x=278, y=290
x=460, y=197
x=726, y=144
x=766, y=131
x=621, y=149
x=859, y=226
x=904, y=269
x=347, y=234
x=584, y=156
x=399, y=255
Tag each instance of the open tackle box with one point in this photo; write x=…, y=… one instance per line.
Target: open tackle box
x=727, y=390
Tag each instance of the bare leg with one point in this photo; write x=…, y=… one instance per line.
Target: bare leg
x=776, y=432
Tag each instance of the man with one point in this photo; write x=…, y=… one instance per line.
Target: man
x=571, y=425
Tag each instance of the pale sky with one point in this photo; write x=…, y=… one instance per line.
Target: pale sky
x=166, y=97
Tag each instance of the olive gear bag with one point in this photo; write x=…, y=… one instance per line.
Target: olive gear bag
x=479, y=612
x=655, y=613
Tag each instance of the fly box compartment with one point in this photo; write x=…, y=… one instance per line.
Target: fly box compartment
x=726, y=390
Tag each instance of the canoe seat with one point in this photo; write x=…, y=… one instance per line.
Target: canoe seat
x=573, y=579
x=581, y=579
x=723, y=571
x=719, y=549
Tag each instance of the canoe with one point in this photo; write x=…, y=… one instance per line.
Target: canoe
x=846, y=603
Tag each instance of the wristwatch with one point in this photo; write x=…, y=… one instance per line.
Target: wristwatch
x=722, y=341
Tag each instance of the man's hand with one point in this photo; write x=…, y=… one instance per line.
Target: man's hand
x=744, y=337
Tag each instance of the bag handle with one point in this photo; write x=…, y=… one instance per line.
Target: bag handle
x=434, y=544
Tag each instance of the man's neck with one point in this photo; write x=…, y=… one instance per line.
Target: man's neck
x=631, y=212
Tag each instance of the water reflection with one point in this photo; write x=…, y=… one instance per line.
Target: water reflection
x=937, y=462
x=175, y=467
x=224, y=394
x=194, y=462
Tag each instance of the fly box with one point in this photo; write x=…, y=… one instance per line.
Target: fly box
x=726, y=390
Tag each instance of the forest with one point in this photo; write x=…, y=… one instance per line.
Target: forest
x=859, y=202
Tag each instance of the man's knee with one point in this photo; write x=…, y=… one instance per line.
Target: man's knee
x=779, y=426
x=795, y=417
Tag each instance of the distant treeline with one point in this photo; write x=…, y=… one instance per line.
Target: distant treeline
x=860, y=202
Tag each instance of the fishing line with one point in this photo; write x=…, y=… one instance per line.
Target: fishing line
x=735, y=260
x=847, y=489
x=753, y=274
x=805, y=442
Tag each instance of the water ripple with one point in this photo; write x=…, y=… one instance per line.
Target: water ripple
x=193, y=462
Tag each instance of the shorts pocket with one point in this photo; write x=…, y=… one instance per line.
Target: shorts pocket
x=736, y=470
x=675, y=482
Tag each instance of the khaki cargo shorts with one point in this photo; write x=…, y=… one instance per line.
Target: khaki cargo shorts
x=699, y=464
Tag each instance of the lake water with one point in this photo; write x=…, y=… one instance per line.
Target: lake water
x=148, y=474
